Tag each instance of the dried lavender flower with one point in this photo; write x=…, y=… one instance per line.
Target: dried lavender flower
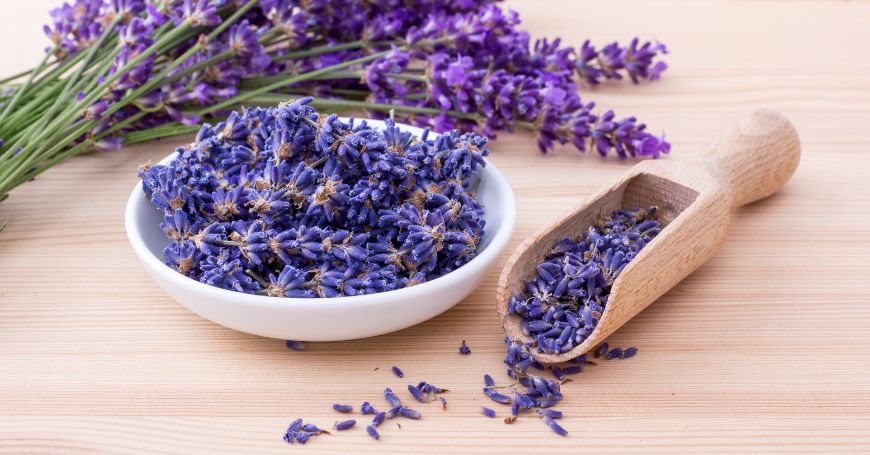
x=464, y=349
x=290, y=434
x=416, y=393
x=373, y=433
x=629, y=353
x=345, y=408
x=554, y=426
x=344, y=425
x=367, y=408
x=614, y=353
x=487, y=412
x=392, y=398
x=398, y=372
x=379, y=419
x=409, y=413
x=443, y=402
x=295, y=345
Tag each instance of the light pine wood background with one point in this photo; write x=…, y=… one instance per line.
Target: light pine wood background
x=766, y=348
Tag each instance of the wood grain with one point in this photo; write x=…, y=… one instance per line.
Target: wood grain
x=765, y=348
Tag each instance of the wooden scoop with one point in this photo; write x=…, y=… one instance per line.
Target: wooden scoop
x=748, y=161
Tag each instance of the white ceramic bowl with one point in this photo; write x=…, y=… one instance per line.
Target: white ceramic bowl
x=327, y=319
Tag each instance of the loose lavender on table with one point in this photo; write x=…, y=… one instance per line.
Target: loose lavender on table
x=561, y=306
x=287, y=202
x=464, y=349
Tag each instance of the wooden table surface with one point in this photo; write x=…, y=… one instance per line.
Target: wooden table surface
x=766, y=348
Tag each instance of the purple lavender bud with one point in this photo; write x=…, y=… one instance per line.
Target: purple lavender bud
x=393, y=412
x=464, y=349
x=290, y=434
x=443, y=402
x=367, y=408
x=409, y=413
x=573, y=369
x=344, y=425
x=416, y=393
x=392, y=398
x=312, y=428
x=487, y=412
x=342, y=407
x=555, y=426
x=558, y=373
x=628, y=353
x=551, y=413
x=602, y=349
x=373, y=433
x=379, y=419
x=497, y=397
x=614, y=353
x=398, y=372
x=303, y=436
x=295, y=345
x=487, y=379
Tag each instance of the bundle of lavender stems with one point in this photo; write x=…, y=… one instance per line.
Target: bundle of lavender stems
x=128, y=71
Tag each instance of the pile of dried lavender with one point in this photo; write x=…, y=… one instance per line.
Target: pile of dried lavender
x=287, y=202
x=561, y=306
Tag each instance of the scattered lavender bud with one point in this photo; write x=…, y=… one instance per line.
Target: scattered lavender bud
x=392, y=398
x=379, y=419
x=497, y=397
x=558, y=373
x=487, y=379
x=342, y=407
x=303, y=436
x=409, y=413
x=290, y=434
x=398, y=372
x=555, y=426
x=373, y=433
x=295, y=345
x=614, y=353
x=551, y=413
x=345, y=424
x=487, y=412
x=367, y=408
x=573, y=369
x=416, y=393
x=464, y=349
x=312, y=428
x=393, y=412
x=602, y=349
x=443, y=402
x=628, y=353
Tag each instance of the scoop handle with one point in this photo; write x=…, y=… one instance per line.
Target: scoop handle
x=755, y=155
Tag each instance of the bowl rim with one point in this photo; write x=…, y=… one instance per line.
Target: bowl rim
x=495, y=247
